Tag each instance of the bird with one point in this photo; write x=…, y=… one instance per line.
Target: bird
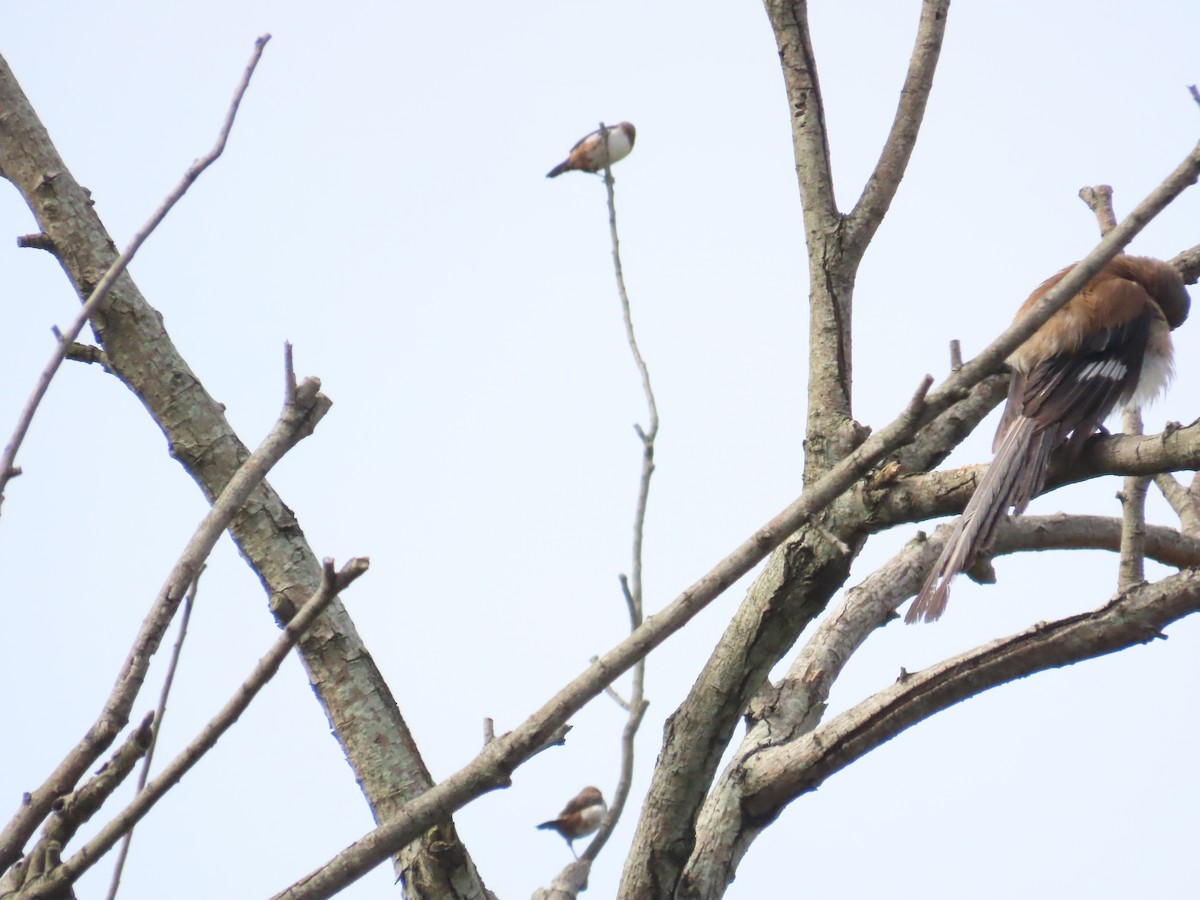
x=580, y=817
x=588, y=154
x=1110, y=344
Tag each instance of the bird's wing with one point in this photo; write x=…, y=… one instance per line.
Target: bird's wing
x=581, y=801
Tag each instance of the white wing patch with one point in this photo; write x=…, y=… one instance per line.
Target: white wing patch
x=1109, y=369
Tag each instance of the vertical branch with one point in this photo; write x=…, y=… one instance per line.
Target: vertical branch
x=144, y=773
x=631, y=588
x=814, y=562
x=1131, y=570
x=836, y=243
x=573, y=879
x=828, y=433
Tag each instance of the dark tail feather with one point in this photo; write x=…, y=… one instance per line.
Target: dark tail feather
x=553, y=823
x=1016, y=474
x=559, y=169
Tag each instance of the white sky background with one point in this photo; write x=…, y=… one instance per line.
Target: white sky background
x=382, y=205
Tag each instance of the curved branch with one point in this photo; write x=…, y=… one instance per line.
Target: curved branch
x=725, y=830
x=866, y=217
x=777, y=776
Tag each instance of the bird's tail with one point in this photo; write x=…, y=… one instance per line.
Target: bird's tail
x=553, y=823
x=559, y=169
x=1016, y=474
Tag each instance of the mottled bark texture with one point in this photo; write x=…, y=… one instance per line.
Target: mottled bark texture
x=360, y=707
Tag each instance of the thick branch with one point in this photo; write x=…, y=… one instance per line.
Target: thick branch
x=792, y=589
x=777, y=776
x=914, y=498
x=810, y=139
x=795, y=706
x=491, y=768
x=376, y=740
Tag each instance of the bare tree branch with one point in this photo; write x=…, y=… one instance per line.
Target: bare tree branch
x=160, y=711
x=794, y=707
x=100, y=291
x=778, y=775
x=795, y=586
x=810, y=139
x=1099, y=200
x=1133, y=495
x=1185, y=501
x=868, y=214
x=573, y=878
x=371, y=730
x=331, y=584
x=1188, y=264
x=491, y=768
x=71, y=811
x=297, y=421
x=935, y=441
x=914, y=498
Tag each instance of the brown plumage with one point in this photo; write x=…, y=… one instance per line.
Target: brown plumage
x=1110, y=344
x=580, y=817
x=588, y=154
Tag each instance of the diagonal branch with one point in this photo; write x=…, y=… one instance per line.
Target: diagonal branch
x=76, y=808
x=377, y=742
x=792, y=589
x=300, y=415
x=160, y=712
x=777, y=776
x=866, y=217
x=66, y=338
x=331, y=583
x=725, y=830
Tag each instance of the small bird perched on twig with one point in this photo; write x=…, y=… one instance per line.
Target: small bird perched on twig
x=588, y=154
x=580, y=817
x=1110, y=344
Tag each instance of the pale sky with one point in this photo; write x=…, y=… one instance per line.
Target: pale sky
x=382, y=205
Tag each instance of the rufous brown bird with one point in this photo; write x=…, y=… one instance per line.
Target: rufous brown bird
x=588, y=154
x=580, y=817
x=1110, y=344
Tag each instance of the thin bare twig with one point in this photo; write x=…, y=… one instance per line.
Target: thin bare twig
x=1131, y=570
x=297, y=420
x=574, y=877
x=100, y=291
x=72, y=811
x=159, y=714
x=631, y=587
x=332, y=583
